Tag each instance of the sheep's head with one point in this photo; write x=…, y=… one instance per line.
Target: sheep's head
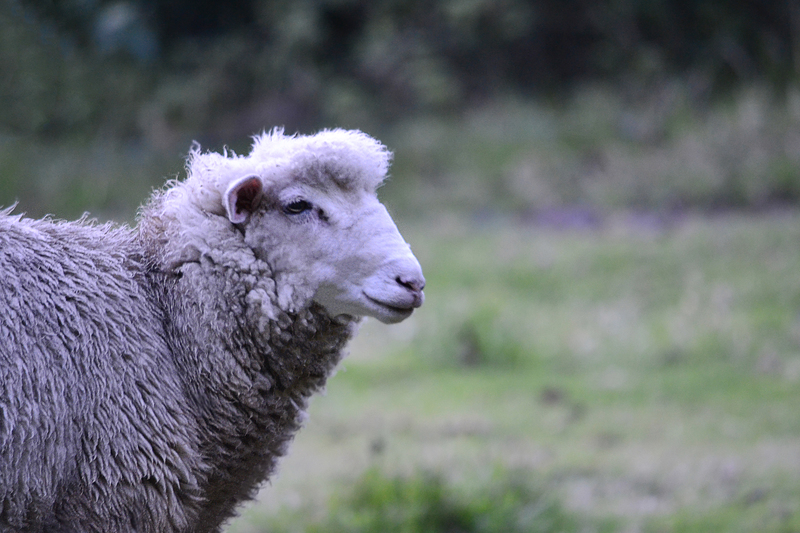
x=308, y=206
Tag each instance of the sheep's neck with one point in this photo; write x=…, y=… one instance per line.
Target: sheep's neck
x=251, y=380
x=247, y=364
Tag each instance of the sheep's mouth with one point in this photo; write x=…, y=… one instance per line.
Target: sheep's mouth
x=389, y=312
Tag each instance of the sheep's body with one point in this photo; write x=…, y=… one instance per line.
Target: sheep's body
x=151, y=378
x=78, y=373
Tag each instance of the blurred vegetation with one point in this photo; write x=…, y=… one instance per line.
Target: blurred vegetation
x=601, y=151
x=567, y=165
x=425, y=502
x=156, y=68
x=513, y=106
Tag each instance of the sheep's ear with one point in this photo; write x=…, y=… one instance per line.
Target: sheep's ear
x=242, y=197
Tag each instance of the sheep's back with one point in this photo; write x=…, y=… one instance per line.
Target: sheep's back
x=89, y=402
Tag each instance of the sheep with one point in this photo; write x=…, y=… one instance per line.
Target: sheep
x=151, y=377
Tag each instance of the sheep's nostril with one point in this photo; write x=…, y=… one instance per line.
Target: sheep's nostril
x=412, y=284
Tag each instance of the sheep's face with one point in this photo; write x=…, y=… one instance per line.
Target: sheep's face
x=337, y=241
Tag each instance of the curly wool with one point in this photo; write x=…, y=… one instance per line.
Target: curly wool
x=67, y=441
x=253, y=399
x=197, y=392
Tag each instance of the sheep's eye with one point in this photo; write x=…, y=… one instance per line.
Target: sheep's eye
x=297, y=207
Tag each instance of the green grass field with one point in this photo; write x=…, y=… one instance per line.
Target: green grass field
x=640, y=376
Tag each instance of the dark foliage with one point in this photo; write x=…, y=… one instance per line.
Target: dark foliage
x=301, y=62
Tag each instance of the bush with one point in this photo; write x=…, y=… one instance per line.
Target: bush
x=425, y=502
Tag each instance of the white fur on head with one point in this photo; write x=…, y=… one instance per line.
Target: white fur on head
x=306, y=205
x=360, y=158
x=355, y=157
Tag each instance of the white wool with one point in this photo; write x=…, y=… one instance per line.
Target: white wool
x=351, y=155
x=353, y=152
x=192, y=212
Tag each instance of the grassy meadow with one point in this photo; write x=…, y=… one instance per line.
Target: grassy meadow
x=611, y=334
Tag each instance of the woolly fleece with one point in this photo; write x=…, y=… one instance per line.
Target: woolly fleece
x=150, y=378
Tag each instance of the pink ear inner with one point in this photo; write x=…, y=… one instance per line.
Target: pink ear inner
x=242, y=198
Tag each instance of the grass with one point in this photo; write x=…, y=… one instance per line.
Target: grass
x=646, y=379
x=425, y=503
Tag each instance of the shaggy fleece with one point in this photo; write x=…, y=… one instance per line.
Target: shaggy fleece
x=151, y=377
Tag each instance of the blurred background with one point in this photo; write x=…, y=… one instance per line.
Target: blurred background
x=604, y=198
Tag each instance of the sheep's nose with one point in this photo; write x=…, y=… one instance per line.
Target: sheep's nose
x=414, y=284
